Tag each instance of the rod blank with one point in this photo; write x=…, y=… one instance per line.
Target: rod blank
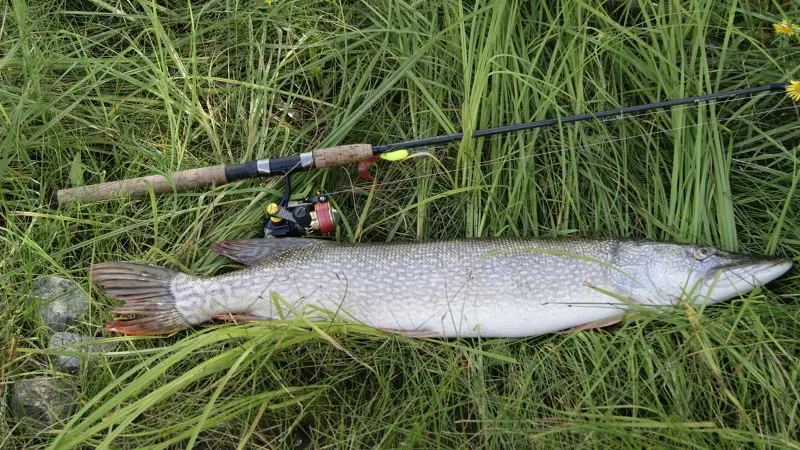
x=378, y=149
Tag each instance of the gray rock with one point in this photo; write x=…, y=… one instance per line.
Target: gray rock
x=61, y=302
x=72, y=364
x=43, y=402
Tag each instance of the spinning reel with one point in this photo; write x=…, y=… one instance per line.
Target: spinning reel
x=312, y=215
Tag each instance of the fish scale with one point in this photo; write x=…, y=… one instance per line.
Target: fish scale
x=493, y=287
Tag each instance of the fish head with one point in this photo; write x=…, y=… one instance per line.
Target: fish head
x=700, y=273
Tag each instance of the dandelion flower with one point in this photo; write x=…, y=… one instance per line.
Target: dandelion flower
x=793, y=90
x=784, y=28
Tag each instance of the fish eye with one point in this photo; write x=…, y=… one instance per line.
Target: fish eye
x=701, y=253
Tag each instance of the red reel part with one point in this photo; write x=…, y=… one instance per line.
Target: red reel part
x=324, y=217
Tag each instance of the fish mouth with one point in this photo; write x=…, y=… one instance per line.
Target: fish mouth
x=745, y=273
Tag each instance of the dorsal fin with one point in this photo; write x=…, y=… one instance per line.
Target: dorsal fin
x=253, y=251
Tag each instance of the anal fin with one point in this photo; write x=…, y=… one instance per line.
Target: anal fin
x=239, y=318
x=602, y=323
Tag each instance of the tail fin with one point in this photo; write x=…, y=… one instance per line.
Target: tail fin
x=145, y=289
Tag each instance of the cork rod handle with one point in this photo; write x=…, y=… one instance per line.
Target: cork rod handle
x=138, y=187
x=342, y=155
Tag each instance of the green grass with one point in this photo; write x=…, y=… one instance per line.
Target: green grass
x=99, y=91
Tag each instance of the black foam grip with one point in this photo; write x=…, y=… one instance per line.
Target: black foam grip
x=242, y=171
x=285, y=164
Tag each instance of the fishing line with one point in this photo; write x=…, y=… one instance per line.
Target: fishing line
x=559, y=150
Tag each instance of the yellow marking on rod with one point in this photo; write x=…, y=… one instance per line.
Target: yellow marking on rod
x=396, y=155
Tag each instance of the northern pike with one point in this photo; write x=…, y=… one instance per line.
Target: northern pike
x=495, y=287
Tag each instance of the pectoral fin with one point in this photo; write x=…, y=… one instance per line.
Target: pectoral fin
x=252, y=251
x=414, y=333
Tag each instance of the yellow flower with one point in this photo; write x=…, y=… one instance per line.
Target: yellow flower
x=793, y=90
x=784, y=28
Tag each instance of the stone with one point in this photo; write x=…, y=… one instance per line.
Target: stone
x=61, y=302
x=71, y=364
x=43, y=402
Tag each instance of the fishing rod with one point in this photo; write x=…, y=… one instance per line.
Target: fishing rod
x=314, y=214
